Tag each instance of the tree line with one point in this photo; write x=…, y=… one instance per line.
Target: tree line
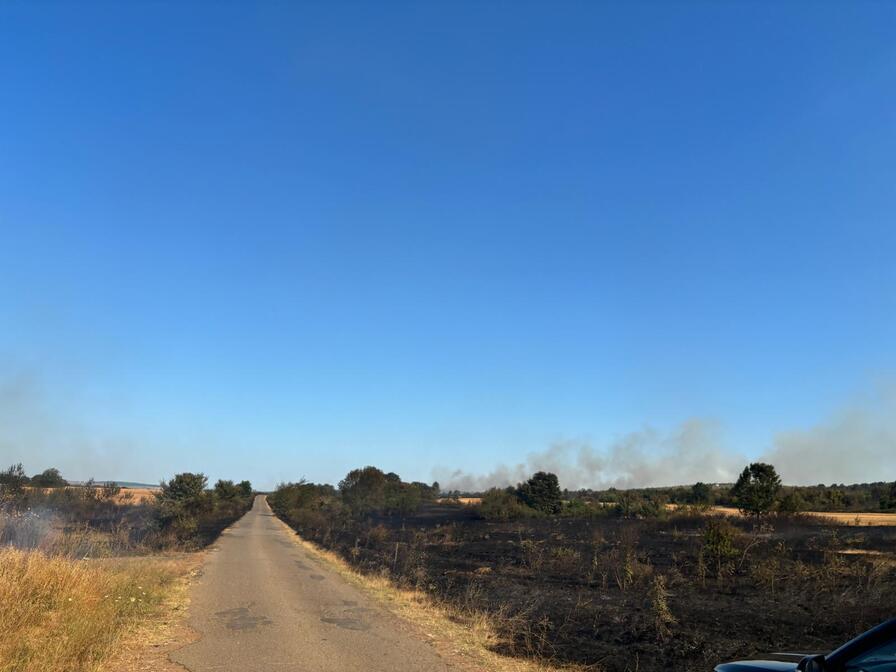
x=757, y=491
x=364, y=492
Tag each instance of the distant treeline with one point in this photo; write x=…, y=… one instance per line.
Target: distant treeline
x=757, y=491
x=858, y=497
x=362, y=493
x=369, y=492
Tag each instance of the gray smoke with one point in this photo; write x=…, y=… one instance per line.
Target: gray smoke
x=640, y=459
x=857, y=444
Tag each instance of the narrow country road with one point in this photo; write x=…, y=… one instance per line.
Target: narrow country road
x=264, y=604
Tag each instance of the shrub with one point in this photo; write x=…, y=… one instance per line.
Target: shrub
x=541, y=492
x=659, y=602
x=792, y=502
x=500, y=504
x=719, y=537
x=227, y=490
x=364, y=490
x=12, y=483
x=181, y=501
x=701, y=494
x=49, y=478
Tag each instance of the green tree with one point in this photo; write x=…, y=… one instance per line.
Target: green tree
x=756, y=488
x=181, y=501
x=542, y=492
x=364, y=490
x=792, y=502
x=245, y=488
x=888, y=501
x=49, y=478
x=701, y=494
x=227, y=490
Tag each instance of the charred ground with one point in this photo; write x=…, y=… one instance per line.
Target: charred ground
x=681, y=591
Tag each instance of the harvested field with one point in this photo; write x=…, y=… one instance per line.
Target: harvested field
x=838, y=517
x=136, y=495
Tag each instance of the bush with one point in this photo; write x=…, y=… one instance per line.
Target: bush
x=542, y=493
x=12, y=483
x=700, y=495
x=500, y=504
x=792, y=502
x=226, y=490
x=185, y=509
x=719, y=538
x=364, y=490
x=49, y=478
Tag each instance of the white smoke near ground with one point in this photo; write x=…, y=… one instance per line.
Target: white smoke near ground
x=857, y=444
x=644, y=458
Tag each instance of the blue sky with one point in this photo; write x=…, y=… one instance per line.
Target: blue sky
x=271, y=240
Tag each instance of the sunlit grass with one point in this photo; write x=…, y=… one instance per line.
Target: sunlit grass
x=66, y=615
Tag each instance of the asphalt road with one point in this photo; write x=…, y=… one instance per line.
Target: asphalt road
x=264, y=604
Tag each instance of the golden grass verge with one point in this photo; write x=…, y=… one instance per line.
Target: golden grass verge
x=467, y=637
x=69, y=615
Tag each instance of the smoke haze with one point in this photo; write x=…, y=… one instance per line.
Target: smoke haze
x=34, y=435
x=858, y=444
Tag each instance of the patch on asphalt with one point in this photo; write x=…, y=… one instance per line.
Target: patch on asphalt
x=242, y=619
x=301, y=565
x=354, y=618
x=317, y=577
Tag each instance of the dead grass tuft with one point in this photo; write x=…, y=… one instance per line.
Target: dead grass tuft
x=457, y=633
x=67, y=615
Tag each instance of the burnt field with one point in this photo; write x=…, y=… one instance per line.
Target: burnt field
x=682, y=592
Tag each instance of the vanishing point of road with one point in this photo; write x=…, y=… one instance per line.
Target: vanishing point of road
x=264, y=604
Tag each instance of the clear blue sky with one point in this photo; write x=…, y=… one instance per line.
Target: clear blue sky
x=270, y=240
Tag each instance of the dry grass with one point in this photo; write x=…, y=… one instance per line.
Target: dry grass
x=465, y=636
x=135, y=495
x=67, y=615
x=841, y=518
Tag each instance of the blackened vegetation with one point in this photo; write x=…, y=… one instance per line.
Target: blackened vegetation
x=618, y=591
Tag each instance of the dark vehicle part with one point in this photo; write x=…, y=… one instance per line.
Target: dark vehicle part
x=872, y=651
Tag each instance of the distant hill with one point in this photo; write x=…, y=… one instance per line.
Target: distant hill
x=122, y=484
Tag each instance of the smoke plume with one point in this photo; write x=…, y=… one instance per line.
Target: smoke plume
x=857, y=444
x=639, y=459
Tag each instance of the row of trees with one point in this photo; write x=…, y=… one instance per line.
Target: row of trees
x=14, y=479
x=187, y=508
x=361, y=494
x=757, y=491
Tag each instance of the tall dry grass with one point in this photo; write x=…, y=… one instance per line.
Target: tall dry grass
x=66, y=615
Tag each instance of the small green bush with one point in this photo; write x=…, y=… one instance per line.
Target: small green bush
x=500, y=504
